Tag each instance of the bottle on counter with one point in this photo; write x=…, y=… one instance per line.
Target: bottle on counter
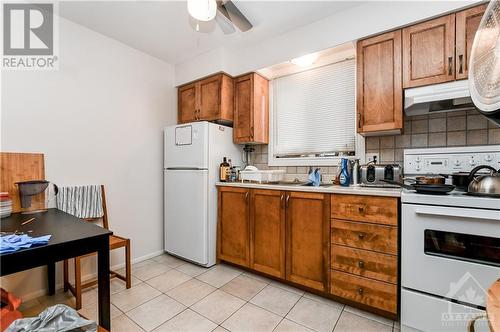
x=224, y=170
x=345, y=178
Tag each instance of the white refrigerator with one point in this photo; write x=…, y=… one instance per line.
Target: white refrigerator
x=192, y=155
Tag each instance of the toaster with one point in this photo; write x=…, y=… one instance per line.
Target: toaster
x=371, y=175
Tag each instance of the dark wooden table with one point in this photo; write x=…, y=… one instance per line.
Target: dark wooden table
x=71, y=237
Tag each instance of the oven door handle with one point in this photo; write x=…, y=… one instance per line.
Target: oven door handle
x=460, y=213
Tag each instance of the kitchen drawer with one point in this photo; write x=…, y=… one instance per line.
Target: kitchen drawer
x=360, y=235
x=365, y=263
x=370, y=292
x=372, y=209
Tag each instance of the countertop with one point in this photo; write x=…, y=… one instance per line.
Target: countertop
x=333, y=189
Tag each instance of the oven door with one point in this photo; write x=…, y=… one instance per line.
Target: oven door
x=450, y=252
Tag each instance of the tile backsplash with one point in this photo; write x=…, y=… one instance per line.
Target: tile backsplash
x=421, y=131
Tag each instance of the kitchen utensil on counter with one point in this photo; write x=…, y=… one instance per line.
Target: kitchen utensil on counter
x=431, y=189
x=345, y=176
x=484, y=185
x=460, y=180
x=434, y=179
x=371, y=175
x=27, y=189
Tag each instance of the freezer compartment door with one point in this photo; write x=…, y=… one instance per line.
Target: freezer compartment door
x=186, y=214
x=186, y=146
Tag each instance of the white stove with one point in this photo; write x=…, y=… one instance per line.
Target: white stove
x=450, y=244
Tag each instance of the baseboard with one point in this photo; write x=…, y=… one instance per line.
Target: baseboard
x=59, y=286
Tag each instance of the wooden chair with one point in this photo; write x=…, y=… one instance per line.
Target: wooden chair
x=492, y=314
x=115, y=242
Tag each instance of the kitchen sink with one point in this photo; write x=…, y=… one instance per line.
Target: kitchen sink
x=298, y=184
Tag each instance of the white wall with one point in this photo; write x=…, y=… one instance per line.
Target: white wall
x=98, y=120
x=350, y=24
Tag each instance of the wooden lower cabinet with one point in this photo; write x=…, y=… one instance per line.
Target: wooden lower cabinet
x=234, y=226
x=267, y=232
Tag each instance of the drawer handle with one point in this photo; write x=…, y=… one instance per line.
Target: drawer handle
x=360, y=291
x=361, y=236
x=361, y=264
x=450, y=66
x=461, y=62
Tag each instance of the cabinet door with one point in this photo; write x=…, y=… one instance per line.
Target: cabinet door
x=467, y=23
x=429, y=52
x=209, y=94
x=267, y=232
x=243, y=106
x=233, y=226
x=187, y=103
x=379, y=87
x=307, y=242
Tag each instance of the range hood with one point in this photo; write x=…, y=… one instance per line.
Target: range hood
x=444, y=97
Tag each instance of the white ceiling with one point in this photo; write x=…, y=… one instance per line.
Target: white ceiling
x=165, y=30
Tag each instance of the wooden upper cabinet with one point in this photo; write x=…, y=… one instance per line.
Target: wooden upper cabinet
x=233, y=225
x=379, y=89
x=267, y=232
x=467, y=23
x=307, y=239
x=209, y=99
x=251, y=109
x=429, y=52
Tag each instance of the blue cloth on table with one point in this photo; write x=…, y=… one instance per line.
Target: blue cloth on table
x=13, y=242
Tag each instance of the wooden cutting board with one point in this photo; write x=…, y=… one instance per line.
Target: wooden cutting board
x=15, y=167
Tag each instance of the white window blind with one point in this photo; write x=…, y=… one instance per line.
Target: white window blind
x=314, y=111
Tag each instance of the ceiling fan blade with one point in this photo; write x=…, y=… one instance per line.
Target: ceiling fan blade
x=236, y=16
x=225, y=23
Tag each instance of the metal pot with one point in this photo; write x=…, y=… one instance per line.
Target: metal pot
x=484, y=185
x=460, y=179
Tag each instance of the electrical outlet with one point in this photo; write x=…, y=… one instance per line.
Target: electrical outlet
x=370, y=157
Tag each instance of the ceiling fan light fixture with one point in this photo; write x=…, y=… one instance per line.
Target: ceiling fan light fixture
x=202, y=10
x=305, y=60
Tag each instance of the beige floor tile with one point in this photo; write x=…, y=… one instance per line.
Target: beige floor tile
x=314, y=315
x=244, y=287
x=166, y=281
x=89, y=297
x=141, y=263
x=169, y=260
x=116, y=285
x=287, y=287
x=149, y=271
x=60, y=297
x=219, y=275
x=192, y=269
x=369, y=315
x=33, y=309
x=92, y=312
x=324, y=300
x=276, y=300
x=258, y=277
x=219, y=329
x=218, y=306
x=124, y=324
x=134, y=296
x=289, y=326
x=190, y=292
x=252, y=318
x=25, y=305
x=187, y=321
x=155, y=312
x=352, y=322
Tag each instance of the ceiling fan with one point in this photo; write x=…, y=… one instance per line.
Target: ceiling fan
x=225, y=13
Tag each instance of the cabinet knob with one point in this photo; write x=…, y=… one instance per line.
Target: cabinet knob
x=361, y=236
x=360, y=291
x=361, y=209
x=450, y=66
x=460, y=63
x=361, y=264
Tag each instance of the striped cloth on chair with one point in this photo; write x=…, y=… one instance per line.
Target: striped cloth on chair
x=81, y=201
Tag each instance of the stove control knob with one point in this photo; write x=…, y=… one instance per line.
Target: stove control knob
x=418, y=167
x=472, y=162
x=457, y=162
x=418, y=159
x=488, y=157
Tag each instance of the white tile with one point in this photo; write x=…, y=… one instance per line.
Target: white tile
x=352, y=322
x=89, y=296
x=134, y=296
x=219, y=275
x=192, y=269
x=190, y=292
x=149, y=271
x=124, y=324
x=243, y=287
x=142, y=263
x=59, y=297
x=169, y=260
x=287, y=287
x=218, y=306
x=369, y=315
x=155, y=312
x=166, y=281
x=289, y=326
x=276, y=300
x=219, y=329
x=92, y=312
x=117, y=285
x=257, y=276
x=187, y=321
x=324, y=300
x=252, y=318
x=314, y=315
